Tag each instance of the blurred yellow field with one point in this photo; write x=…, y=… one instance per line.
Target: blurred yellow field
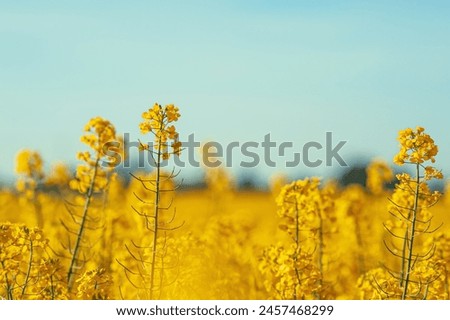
x=91, y=236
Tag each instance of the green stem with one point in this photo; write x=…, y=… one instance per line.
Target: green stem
x=156, y=221
x=76, y=252
x=412, y=234
x=27, y=277
x=403, y=266
x=52, y=288
x=8, y=287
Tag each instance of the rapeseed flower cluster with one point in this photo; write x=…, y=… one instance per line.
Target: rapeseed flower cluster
x=93, y=173
x=158, y=121
x=411, y=220
x=415, y=147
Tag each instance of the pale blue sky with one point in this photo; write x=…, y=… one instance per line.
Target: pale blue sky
x=237, y=69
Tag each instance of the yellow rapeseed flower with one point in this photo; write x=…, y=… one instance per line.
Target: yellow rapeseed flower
x=415, y=147
x=158, y=121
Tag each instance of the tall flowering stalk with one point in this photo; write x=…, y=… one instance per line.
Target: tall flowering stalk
x=91, y=178
x=412, y=199
x=410, y=221
x=297, y=272
x=159, y=122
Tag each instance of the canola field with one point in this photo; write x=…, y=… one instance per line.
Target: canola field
x=89, y=235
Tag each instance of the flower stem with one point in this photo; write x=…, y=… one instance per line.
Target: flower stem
x=76, y=251
x=412, y=234
x=156, y=221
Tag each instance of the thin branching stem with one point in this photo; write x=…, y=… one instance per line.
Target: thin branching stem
x=156, y=219
x=30, y=264
x=76, y=250
x=412, y=234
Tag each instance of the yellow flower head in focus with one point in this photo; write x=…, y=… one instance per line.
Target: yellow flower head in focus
x=159, y=121
x=415, y=147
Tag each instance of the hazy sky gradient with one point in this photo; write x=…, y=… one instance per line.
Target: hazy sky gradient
x=295, y=69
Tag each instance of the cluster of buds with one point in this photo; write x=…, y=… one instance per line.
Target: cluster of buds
x=159, y=121
x=99, y=133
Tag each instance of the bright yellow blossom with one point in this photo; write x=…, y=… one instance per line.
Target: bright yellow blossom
x=157, y=120
x=97, y=164
x=415, y=147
